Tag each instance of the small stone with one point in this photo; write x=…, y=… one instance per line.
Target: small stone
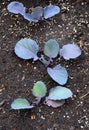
x=42, y=117
x=33, y=117
x=72, y=128
x=35, y=68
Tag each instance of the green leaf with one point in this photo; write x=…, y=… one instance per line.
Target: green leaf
x=39, y=89
x=21, y=103
x=51, y=48
x=59, y=93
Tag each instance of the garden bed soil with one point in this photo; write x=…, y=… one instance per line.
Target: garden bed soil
x=18, y=76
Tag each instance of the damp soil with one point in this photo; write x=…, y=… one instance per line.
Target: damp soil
x=18, y=76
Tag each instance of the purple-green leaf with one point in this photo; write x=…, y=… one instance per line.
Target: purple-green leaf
x=70, y=51
x=51, y=48
x=29, y=17
x=50, y=11
x=59, y=93
x=27, y=48
x=16, y=8
x=37, y=12
x=58, y=74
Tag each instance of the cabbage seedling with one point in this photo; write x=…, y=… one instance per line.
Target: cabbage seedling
x=37, y=14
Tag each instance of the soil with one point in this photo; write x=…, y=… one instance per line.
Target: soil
x=17, y=76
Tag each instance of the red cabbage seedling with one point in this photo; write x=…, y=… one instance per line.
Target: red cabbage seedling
x=40, y=13
x=59, y=93
x=37, y=14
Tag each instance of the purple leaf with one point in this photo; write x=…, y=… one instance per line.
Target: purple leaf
x=27, y=48
x=50, y=11
x=70, y=51
x=37, y=13
x=16, y=8
x=58, y=74
x=54, y=104
x=29, y=17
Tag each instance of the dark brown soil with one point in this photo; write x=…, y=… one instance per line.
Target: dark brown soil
x=18, y=76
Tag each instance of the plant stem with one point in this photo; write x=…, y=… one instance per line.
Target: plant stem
x=43, y=61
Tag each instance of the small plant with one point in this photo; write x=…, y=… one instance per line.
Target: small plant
x=27, y=48
x=56, y=98
x=37, y=14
